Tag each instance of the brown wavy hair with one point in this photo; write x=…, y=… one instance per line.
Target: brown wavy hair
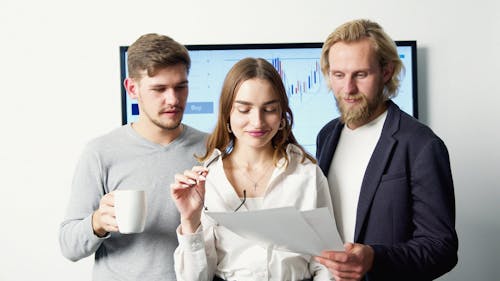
x=242, y=71
x=153, y=52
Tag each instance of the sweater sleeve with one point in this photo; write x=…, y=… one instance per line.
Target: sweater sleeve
x=76, y=236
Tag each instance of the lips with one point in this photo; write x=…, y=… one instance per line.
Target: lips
x=257, y=133
x=171, y=111
x=351, y=97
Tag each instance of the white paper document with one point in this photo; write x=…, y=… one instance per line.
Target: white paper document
x=305, y=232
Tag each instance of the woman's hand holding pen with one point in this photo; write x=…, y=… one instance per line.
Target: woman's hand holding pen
x=188, y=193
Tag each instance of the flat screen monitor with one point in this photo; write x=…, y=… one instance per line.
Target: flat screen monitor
x=312, y=104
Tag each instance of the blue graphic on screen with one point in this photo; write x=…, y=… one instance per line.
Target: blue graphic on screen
x=312, y=104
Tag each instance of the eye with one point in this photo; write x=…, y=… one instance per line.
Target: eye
x=243, y=109
x=337, y=75
x=181, y=87
x=270, y=109
x=361, y=74
x=158, y=89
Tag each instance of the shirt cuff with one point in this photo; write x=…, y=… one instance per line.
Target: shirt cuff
x=191, y=242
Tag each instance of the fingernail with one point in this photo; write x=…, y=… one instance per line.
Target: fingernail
x=191, y=181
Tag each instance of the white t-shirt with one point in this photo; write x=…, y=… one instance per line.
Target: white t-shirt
x=347, y=171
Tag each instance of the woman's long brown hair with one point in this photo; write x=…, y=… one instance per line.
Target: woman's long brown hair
x=243, y=70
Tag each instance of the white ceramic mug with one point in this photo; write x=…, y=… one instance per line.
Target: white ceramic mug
x=130, y=210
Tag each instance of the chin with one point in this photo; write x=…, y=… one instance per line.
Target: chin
x=170, y=125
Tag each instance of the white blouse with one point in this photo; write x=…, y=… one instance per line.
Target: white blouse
x=214, y=249
x=254, y=203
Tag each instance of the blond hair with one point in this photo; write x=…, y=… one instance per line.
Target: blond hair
x=384, y=47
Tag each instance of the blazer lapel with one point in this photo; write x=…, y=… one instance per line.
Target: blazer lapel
x=328, y=148
x=376, y=166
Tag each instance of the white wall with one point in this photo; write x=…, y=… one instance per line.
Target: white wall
x=59, y=81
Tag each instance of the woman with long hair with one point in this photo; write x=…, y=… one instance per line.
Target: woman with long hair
x=252, y=162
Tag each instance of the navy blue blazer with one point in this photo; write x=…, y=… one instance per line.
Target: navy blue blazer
x=406, y=208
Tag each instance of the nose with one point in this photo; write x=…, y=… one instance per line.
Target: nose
x=256, y=118
x=350, y=86
x=170, y=96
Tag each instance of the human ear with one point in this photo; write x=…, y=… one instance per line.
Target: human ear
x=131, y=87
x=388, y=71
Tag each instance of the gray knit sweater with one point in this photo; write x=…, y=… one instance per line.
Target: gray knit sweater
x=123, y=159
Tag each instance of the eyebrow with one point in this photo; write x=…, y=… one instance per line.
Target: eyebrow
x=249, y=103
x=181, y=83
x=367, y=69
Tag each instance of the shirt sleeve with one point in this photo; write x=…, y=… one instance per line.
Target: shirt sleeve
x=319, y=271
x=195, y=258
x=76, y=236
x=324, y=198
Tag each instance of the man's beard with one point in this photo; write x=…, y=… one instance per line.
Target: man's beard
x=361, y=112
x=169, y=125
